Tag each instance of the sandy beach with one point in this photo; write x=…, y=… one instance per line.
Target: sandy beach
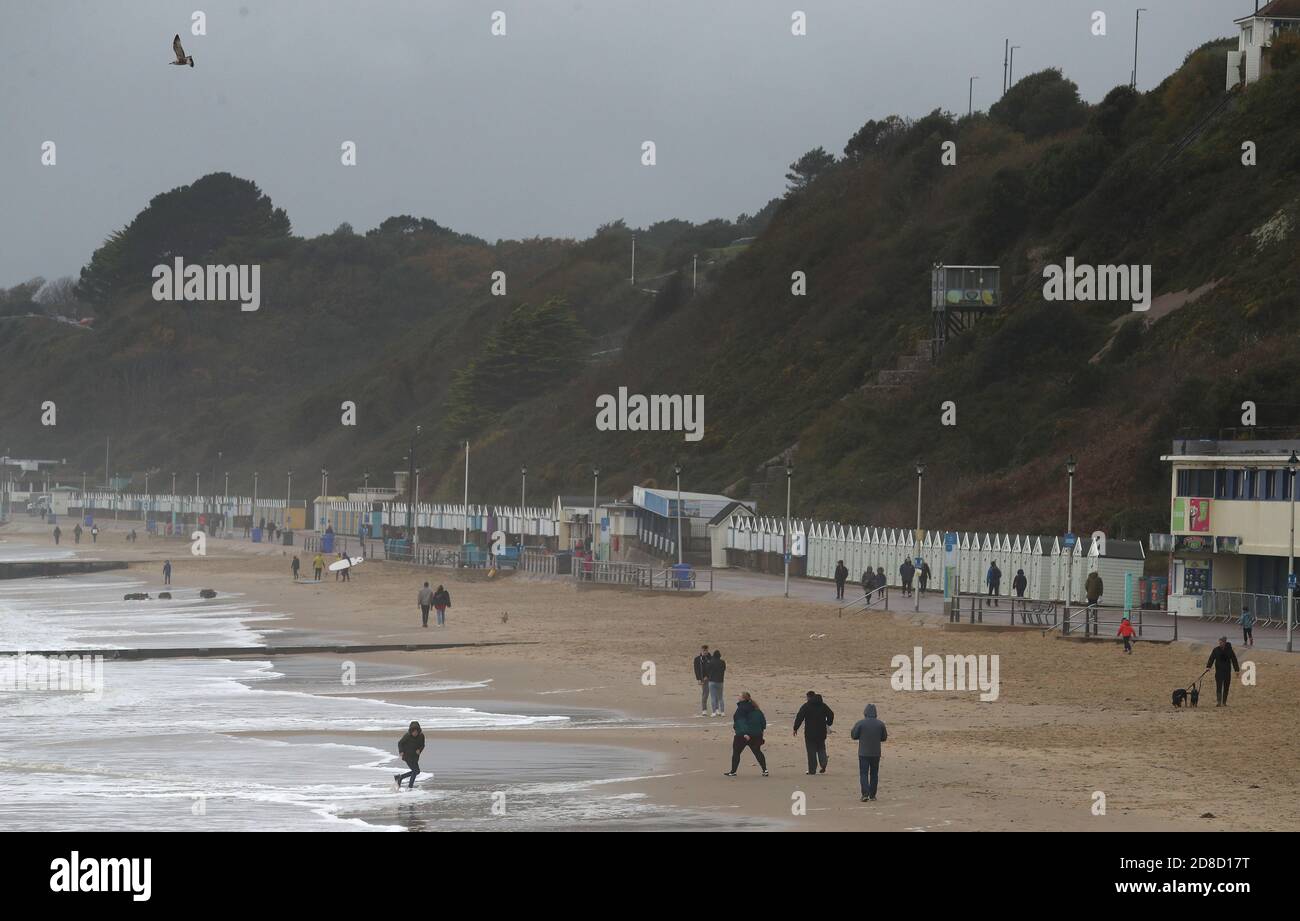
x=1071, y=720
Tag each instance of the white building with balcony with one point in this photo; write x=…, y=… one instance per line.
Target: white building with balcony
x=1258, y=30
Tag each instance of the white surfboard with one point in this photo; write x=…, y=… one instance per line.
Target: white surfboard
x=351, y=561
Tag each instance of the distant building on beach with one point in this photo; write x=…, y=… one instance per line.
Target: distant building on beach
x=1258, y=32
x=1229, y=525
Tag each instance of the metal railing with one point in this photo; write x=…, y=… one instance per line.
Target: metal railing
x=1225, y=606
x=542, y=564
x=876, y=598
x=643, y=575
x=1086, y=620
x=1028, y=612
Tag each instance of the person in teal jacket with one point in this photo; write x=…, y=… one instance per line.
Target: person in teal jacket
x=749, y=724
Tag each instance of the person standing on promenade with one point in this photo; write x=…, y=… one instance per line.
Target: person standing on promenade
x=1247, y=627
x=167, y=572
x=841, y=576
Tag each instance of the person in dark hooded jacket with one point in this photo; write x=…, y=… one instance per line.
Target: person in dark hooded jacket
x=1224, y=661
x=409, y=747
x=1019, y=583
x=869, y=732
x=816, y=718
x=749, y=723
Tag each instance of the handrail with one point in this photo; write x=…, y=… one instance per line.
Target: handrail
x=877, y=596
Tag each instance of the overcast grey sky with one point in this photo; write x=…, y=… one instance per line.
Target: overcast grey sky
x=535, y=133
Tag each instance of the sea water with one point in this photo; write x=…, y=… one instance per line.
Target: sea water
x=265, y=744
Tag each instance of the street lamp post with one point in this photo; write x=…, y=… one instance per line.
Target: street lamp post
x=365, y=482
x=1291, y=464
x=1011, y=71
x=595, y=485
x=970, y=97
x=324, y=491
x=1070, y=465
x=789, y=476
x=916, y=537
x=523, y=487
x=1137, y=24
x=411, y=494
x=252, y=512
x=288, y=491
x=677, y=469
x=83, y=482
x=415, y=534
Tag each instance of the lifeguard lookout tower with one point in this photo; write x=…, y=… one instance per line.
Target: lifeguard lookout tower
x=959, y=296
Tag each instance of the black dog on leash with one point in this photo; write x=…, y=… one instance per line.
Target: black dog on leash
x=1189, y=695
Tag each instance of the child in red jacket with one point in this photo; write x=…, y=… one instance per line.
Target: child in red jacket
x=1126, y=631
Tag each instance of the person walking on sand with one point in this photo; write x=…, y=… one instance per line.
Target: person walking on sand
x=701, y=666
x=425, y=601
x=816, y=719
x=318, y=564
x=1247, y=627
x=716, y=672
x=76, y=534
x=869, y=733
x=441, y=602
x=409, y=747
x=295, y=566
x=1224, y=661
x=1126, y=631
x=346, y=571
x=993, y=579
x=94, y=534
x=57, y=535
x=749, y=723
x=841, y=576
x=167, y=572
x=1019, y=583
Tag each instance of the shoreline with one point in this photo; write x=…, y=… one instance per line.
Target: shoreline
x=1072, y=719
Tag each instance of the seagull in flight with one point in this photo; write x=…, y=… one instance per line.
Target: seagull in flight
x=181, y=58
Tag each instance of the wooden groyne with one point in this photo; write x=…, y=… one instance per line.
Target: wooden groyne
x=29, y=569
x=233, y=652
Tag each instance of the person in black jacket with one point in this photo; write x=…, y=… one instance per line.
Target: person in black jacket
x=816, y=719
x=1020, y=583
x=841, y=576
x=701, y=664
x=716, y=672
x=1224, y=661
x=409, y=747
x=441, y=602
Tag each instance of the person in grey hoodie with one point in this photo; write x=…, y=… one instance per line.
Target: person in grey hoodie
x=869, y=732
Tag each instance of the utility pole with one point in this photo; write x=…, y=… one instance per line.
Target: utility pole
x=1006, y=45
x=694, y=264
x=523, y=487
x=252, y=512
x=1011, y=71
x=677, y=469
x=916, y=538
x=1070, y=465
x=288, y=491
x=415, y=535
x=1291, y=464
x=595, y=483
x=464, y=531
x=410, y=487
x=789, y=475
x=634, y=260
x=970, y=97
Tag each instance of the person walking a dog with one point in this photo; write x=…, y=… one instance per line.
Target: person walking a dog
x=1225, y=663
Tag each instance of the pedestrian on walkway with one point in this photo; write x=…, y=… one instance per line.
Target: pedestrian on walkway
x=869, y=733
x=716, y=673
x=295, y=566
x=1225, y=663
x=425, y=601
x=1247, y=626
x=923, y=575
x=701, y=666
x=57, y=534
x=868, y=581
x=993, y=579
x=441, y=602
x=76, y=534
x=816, y=718
x=1019, y=583
x=748, y=723
x=841, y=576
x=1126, y=631
x=94, y=534
x=167, y=572
x=905, y=573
